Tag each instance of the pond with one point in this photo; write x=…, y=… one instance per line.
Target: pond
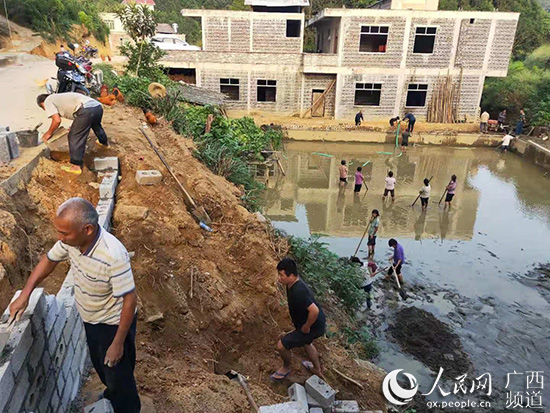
x=477, y=261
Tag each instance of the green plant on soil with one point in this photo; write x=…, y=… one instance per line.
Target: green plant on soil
x=361, y=340
x=327, y=274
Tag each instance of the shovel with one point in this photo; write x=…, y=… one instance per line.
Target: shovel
x=402, y=292
x=362, y=238
x=238, y=377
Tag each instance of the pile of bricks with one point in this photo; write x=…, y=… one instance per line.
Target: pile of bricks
x=316, y=397
x=44, y=360
x=9, y=145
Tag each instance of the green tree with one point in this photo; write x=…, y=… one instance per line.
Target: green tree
x=139, y=23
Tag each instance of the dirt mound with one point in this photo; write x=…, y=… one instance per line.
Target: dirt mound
x=431, y=341
x=208, y=302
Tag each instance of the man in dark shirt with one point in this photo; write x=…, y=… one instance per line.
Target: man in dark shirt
x=359, y=118
x=409, y=117
x=308, y=319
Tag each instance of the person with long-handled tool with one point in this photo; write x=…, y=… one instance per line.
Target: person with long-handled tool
x=424, y=193
x=397, y=262
x=389, y=187
x=451, y=188
x=359, y=178
x=372, y=270
x=308, y=319
x=372, y=230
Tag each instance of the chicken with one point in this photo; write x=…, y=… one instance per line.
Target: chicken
x=104, y=91
x=118, y=94
x=151, y=119
x=108, y=100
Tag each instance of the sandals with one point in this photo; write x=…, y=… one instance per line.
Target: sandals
x=71, y=171
x=277, y=377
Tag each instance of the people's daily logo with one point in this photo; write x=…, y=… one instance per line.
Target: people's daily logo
x=393, y=391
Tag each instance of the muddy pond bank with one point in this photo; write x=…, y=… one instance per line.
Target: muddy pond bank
x=473, y=267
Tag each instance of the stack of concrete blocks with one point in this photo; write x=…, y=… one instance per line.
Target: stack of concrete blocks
x=107, y=169
x=46, y=355
x=9, y=145
x=316, y=397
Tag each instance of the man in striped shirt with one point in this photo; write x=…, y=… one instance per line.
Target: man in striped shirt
x=105, y=295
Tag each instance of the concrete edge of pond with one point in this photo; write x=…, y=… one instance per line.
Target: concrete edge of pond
x=443, y=138
x=533, y=152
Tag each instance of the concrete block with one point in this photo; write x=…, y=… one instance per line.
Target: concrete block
x=5, y=156
x=75, y=365
x=20, y=344
x=320, y=391
x=109, y=162
x=58, y=357
x=37, y=303
x=312, y=402
x=54, y=403
x=67, y=361
x=75, y=336
x=101, y=406
x=7, y=384
x=67, y=392
x=107, y=188
x=289, y=407
x=297, y=393
x=33, y=397
x=46, y=361
x=13, y=143
x=72, y=318
x=345, y=406
x=47, y=393
x=51, y=313
x=20, y=391
x=149, y=177
x=316, y=410
x=57, y=331
x=65, y=296
x=37, y=350
x=76, y=386
x=4, y=128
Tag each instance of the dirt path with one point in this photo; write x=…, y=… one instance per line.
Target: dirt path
x=233, y=315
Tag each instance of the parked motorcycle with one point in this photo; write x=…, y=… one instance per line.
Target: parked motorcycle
x=89, y=52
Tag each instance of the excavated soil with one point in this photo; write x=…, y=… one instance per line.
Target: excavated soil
x=417, y=330
x=208, y=302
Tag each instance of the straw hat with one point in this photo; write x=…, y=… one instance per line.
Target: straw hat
x=157, y=90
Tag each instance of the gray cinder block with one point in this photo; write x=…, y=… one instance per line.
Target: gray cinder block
x=290, y=407
x=7, y=383
x=109, y=162
x=345, y=406
x=13, y=143
x=148, y=177
x=107, y=187
x=320, y=391
x=5, y=156
x=297, y=393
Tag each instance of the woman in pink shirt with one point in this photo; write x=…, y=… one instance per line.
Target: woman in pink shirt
x=358, y=180
x=451, y=188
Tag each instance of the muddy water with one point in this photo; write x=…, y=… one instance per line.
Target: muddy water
x=473, y=261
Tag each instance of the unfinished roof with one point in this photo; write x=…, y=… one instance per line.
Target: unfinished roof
x=277, y=3
x=199, y=95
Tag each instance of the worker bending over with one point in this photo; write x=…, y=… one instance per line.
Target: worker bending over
x=87, y=114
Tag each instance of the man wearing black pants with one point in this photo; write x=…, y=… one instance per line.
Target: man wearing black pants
x=409, y=117
x=105, y=296
x=87, y=114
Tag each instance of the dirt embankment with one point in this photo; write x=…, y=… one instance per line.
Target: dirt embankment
x=208, y=302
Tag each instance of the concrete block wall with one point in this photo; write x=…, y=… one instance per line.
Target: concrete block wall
x=394, y=50
x=240, y=35
x=319, y=82
x=269, y=35
x=443, y=47
x=42, y=365
x=211, y=80
x=216, y=33
x=472, y=43
x=288, y=91
x=387, y=96
x=501, y=49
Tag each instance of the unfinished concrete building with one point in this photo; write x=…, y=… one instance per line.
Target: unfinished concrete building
x=397, y=56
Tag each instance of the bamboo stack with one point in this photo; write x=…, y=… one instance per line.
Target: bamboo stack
x=443, y=106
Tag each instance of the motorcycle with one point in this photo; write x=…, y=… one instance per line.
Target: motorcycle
x=74, y=75
x=89, y=52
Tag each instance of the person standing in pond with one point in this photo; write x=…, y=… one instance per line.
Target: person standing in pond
x=343, y=171
x=368, y=275
x=425, y=193
x=359, y=118
x=389, y=187
x=372, y=231
x=358, y=180
x=308, y=319
x=451, y=188
x=409, y=117
x=506, y=142
x=521, y=122
x=398, y=259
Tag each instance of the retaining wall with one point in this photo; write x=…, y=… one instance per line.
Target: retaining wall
x=532, y=151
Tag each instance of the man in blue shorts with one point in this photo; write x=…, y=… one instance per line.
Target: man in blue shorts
x=308, y=319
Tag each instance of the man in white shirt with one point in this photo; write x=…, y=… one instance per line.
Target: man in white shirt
x=105, y=296
x=506, y=142
x=390, y=186
x=87, y=114
x=484, y=120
